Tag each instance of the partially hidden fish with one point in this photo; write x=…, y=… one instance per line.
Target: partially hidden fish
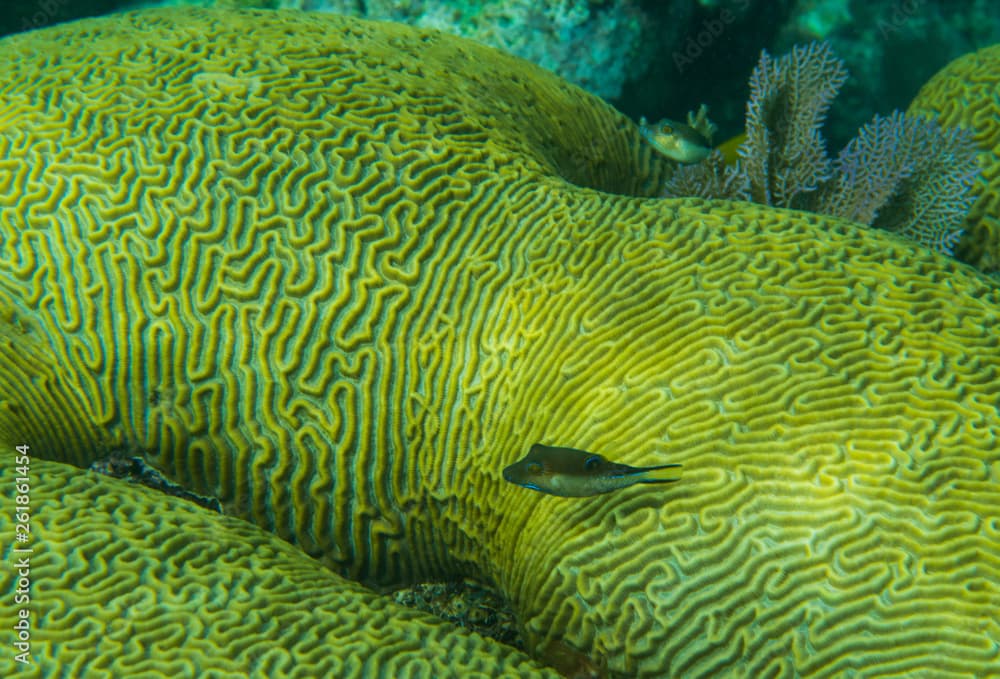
x=676, y=141
x=568, y=472
x=690, y=143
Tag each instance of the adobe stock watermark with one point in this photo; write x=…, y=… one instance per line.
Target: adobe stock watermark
x=48, y=10
x=20, y=555
x=902, y=11
x=711, y=30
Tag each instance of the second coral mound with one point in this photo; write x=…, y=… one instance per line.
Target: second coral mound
x=965, y=94
x=339, y=274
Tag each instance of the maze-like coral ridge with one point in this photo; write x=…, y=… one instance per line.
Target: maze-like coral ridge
x=964, y=94
x=340, y=274
x=125, y=582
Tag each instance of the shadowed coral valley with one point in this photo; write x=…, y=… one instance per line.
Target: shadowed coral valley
x=339, y=274
x=131, y=583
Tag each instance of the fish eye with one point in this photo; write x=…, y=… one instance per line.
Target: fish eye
x=666, y=128
x=592, y=463
x=534, y=467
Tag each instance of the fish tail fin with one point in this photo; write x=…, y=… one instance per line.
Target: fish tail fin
x=665, y=473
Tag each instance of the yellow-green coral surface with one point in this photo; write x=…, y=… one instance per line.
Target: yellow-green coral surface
x=966, y=93
x=339, y=274
x=126, y=582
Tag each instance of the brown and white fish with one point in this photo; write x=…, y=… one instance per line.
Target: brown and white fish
x=676, y=141
x=690, y=143
x=568, y=472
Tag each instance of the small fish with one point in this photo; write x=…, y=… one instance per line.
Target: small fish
x=676, y=141
x=687, y=144
x=568, y=472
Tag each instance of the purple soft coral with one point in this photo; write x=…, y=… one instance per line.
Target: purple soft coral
x=906, y=175
x=784, y=155
x=900, y=173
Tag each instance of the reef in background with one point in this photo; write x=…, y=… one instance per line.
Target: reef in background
x=660, y=58
x=596, y=45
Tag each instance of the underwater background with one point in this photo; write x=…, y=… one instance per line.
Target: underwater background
x=662, y=58
x=323, y=319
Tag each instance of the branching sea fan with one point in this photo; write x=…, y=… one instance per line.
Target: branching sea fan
x=903, y=174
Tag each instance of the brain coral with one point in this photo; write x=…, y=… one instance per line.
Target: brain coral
x=126, y=582
x=966, y=93
x=339, y=274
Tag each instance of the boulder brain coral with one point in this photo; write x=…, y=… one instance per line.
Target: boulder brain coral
x=127, y=582
x=966, y=93
x=339, y=274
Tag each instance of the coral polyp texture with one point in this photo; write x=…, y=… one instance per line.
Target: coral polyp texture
x=339, y=274
x=127, y=582
x=966, y=93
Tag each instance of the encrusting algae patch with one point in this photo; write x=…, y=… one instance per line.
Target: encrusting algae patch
x=343, y=297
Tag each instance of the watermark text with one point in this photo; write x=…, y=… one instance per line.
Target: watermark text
x=711, y=30
x=902, y=11
x=21, y=555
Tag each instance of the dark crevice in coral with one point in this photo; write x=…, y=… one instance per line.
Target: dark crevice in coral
x=467, y=604
x=135, y=470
